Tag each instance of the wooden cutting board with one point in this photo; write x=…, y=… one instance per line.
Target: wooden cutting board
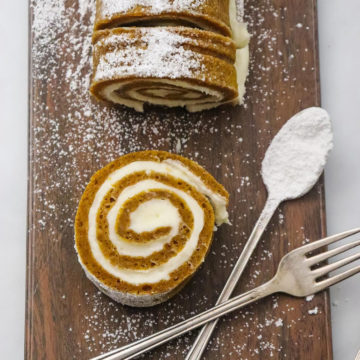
x=71, y=136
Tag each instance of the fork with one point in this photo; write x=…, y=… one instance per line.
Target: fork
x=295, y=276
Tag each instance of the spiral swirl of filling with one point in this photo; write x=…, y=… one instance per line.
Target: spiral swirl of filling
x=171, y=66
x=145, y=223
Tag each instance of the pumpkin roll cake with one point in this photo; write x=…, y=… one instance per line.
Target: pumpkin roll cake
x=171, y=66
x=144, y=225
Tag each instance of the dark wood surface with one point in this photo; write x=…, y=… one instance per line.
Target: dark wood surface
x=71, y=136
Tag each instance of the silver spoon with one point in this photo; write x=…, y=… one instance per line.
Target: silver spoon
x=292, y=165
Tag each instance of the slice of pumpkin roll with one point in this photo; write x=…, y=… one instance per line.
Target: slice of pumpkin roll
x=217, y=16
x=170, y=66
x=144, y=225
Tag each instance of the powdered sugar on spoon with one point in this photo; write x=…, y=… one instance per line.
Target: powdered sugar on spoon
x=297, y=155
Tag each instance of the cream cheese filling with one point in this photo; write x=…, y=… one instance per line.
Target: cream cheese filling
x=242, y=70
x=218, y=202
x=154, y=214
x=125, y=247
x=239, y=31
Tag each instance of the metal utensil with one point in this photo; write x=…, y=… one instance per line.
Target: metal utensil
x=295, y=276
x=283, y=191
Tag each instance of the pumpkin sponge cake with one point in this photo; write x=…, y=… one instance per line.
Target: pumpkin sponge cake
x=144, y=225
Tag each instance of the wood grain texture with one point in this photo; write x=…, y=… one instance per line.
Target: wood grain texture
x=71, y=136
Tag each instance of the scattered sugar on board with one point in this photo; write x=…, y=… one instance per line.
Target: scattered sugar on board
x=61, y=69
x=313, y=311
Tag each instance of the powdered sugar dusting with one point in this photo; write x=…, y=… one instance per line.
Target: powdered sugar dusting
x=161, y=56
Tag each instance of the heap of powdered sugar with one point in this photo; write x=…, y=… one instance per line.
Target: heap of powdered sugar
x=162, y=55
x=297, y=155
x=110, y=7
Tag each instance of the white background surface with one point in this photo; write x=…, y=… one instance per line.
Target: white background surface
x=339, y=28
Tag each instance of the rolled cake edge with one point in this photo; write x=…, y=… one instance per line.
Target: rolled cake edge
x=165, y=19
x=142, y=13
x=242, y=72
x=239, y=32
x=138, y=105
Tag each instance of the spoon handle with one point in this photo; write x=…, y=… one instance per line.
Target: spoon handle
x=205, y=333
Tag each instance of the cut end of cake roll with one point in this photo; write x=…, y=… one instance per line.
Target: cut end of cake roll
x=144, y=225
x=165, y=66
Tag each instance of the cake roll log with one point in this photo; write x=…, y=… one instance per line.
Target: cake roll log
x=144, y=225
x=214, y=15
x=171, y=66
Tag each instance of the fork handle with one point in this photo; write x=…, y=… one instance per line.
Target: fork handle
x=204, y=335
x=141, y=346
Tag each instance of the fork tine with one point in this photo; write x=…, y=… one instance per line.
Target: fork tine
x=337, y=278
x=331, y=267
x=328, y=240
x=328, y=254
